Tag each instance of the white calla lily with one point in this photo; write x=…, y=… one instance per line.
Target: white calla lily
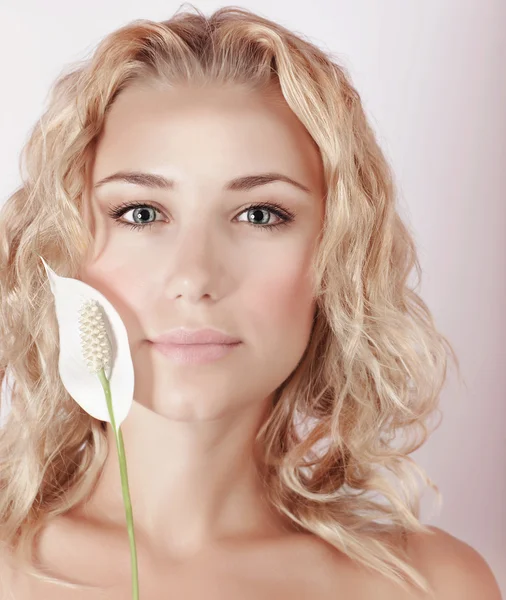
x=94, y=361
x=72, y=297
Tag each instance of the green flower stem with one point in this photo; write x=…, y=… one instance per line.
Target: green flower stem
x=124, y=485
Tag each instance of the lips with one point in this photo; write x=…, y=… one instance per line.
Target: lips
x=195, y=354
x=182, y=336
x=195, y=346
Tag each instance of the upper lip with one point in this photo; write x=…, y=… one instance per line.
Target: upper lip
x=195, y=336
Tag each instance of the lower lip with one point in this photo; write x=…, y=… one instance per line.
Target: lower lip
x=194, y=353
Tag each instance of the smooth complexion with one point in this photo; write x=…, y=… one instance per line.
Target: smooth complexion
x=201, y=257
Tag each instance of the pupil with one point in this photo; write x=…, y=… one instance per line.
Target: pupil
x=257, y=210
x=138, y=211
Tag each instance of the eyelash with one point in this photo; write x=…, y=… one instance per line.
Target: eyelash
x=279, y=211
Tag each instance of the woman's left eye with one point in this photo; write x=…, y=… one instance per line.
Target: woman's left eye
x=256, y=210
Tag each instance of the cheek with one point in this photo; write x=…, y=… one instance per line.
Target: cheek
x=126, y=293
x=279, y=318
x=288, y=296
x=283, y=303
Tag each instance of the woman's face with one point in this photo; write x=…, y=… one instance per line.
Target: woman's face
x=200, y=256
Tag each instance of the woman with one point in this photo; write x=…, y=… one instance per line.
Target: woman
x=220, y=173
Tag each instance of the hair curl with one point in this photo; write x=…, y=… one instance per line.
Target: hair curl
x=375, y=363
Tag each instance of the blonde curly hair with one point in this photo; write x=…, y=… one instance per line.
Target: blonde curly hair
x=375, y=363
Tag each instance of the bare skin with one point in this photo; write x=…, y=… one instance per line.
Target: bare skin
x=291, y=567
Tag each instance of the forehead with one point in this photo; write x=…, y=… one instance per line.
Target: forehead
x=205, y=134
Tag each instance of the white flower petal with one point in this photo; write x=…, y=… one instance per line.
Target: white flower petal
x=81, y=384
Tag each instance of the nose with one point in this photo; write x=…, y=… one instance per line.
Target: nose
x=195, y=264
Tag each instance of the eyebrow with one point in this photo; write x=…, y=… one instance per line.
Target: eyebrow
x=241, y=184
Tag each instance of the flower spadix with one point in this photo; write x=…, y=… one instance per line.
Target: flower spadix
x=92, y=336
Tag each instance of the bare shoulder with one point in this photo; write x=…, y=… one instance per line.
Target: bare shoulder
x=454, y=568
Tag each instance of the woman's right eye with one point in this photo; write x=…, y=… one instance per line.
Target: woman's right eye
x=139, y=211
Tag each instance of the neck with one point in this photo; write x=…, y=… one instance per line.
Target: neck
x=192, y=484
